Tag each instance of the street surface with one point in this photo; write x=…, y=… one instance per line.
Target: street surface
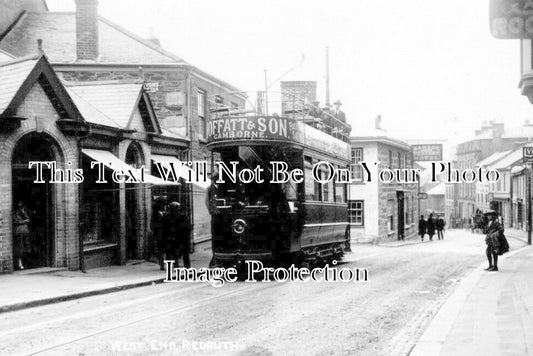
x=384, y=316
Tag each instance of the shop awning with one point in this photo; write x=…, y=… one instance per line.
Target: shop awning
x=183, y=172
x=113, y=162
x=517, y=169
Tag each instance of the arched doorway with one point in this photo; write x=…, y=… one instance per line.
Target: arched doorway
x=37, y=248
x=134, y=158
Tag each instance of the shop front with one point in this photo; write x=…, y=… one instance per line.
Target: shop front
x=81, y=223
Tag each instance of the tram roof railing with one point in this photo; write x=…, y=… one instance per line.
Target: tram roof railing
x=297, y=108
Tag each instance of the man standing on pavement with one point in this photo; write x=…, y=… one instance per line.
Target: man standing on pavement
x=422, y=227
x=159, y=217
x=440, y=228
x=431, y=226
x=211, y=204
x=179, y=235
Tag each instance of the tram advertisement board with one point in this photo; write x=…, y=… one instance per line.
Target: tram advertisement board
x=427, y=152
x=250, y=128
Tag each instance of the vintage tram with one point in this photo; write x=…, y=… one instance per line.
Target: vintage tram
x=277, y=223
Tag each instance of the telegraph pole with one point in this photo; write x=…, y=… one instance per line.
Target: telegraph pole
x=528, y=170
x=327, y=77
x=266, y=94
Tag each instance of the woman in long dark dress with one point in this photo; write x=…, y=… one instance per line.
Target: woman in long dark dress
x=493, y=231
x=21, y=222
x=431, y=226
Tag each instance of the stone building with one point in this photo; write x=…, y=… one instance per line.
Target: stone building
x=380, y=211
x=78, y=224
x=82, y=46
x=490, y=138
x=451, y=199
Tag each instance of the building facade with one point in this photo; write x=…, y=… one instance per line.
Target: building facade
x=82, y=46
x=78, y=223
x=492, y=137
x=381, y=211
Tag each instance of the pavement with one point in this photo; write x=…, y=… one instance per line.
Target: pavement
x=489, y=313
x=30, y=288
x=413, y=239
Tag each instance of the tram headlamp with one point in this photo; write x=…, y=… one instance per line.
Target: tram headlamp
x=239, y=226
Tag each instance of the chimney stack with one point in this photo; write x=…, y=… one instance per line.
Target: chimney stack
x=377, y=123
x=40, y=46
x=86, y=30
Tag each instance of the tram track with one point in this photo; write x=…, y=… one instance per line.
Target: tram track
x=255, y=287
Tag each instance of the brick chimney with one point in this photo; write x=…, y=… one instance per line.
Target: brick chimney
x=86, y=30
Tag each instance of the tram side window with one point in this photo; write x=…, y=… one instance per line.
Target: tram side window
x=340, y=191
x=329, y=193
x=312, y=187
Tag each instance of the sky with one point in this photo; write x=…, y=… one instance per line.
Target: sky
x=430, y=67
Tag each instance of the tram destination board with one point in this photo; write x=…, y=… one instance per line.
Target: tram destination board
x=511, y=19
x=250, y=127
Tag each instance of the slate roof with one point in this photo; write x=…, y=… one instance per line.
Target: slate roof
x=492, y=158
x=13, y=74
x=4, y=56
x=439, y=189
x=89, y=112
x=111, y=99
x=58, y=32
x=508, y=160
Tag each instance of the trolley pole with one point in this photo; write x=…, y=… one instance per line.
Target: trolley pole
x=266, y=94
x=528, y=170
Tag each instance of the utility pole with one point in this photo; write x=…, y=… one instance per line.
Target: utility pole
x=418, y=195
x=528, y=170
x=327, y=77
x=266, y=94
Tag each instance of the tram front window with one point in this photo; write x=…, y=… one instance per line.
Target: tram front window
x=254, y=193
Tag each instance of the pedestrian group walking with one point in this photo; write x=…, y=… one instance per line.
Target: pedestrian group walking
x=430, y=226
